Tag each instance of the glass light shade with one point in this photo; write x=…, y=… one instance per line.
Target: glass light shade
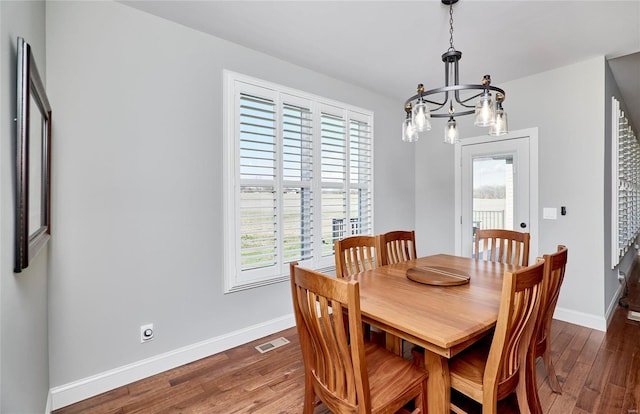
x=485, y=111
x=421, y=116
x=501, y=126
x=409, y=133
x=451, y=132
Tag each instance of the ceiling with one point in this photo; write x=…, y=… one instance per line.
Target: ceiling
x=391, y=46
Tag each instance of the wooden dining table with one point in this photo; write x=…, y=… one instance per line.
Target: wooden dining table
x=444, y=320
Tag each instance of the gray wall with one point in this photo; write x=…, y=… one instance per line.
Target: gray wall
x=138, y=178
x=434, y=190
x=572, y=173
x=24, y=359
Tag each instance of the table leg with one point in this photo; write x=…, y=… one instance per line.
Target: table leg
x=439, y=383
x=393, y=343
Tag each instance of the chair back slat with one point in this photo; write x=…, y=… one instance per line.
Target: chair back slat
x=521, y=292
x=505, y=246
x=333, y=361
x=355, y=254
x=396, y=246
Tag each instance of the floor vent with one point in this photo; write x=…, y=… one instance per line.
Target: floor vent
x=633, y=315
x=271, y=345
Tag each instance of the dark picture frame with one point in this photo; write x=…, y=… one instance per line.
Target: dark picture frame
x=33, y=161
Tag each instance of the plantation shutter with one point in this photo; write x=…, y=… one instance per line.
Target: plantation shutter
x=333, y=174
x=258, y=157
x=360, y=177
x=297, y=167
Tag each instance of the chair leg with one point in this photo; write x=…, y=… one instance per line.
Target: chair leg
x=422, y=400
x=551, y=372
x=491, y=407
x=521, y=392
x=532, y=397
x=309, y=397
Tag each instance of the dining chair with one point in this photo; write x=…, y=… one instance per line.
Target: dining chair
x=554, y=269
x=396, y=246
x=355, y=254
x=343, y=371
x=488, y=371
x=505, y=246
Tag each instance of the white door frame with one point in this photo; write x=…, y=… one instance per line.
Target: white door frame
x=532, y=133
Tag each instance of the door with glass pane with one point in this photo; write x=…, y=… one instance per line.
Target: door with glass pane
x=494, y=187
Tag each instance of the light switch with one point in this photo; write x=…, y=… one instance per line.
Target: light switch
x=550, y=213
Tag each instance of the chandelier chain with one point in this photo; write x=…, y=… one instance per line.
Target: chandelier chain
x=451, y=27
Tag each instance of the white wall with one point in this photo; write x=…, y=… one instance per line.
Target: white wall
x=137, y=172
x=24, y=359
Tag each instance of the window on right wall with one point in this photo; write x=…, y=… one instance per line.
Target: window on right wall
x=625, y=173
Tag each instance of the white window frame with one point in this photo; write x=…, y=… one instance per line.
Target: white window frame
x=234, y=83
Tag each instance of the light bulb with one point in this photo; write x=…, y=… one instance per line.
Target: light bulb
x=451, y=132
x=409, y=133
x=421, y=116
x=485, y=111
x=501, y=126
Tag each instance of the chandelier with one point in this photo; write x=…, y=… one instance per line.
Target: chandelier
x=454, y=100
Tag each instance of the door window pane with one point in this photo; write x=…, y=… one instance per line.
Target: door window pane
x=493, y=201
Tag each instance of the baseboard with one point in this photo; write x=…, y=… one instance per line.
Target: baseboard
x=613, y=305
x=580, y=318
x=75, y=391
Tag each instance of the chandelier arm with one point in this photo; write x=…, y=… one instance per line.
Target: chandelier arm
x=439, y=105
x=464, y=101
x=457, y=114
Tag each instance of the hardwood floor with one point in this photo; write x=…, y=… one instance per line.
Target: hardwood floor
x=599, y=373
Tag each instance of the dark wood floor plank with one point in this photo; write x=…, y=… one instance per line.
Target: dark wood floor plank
x=574, y=384
x=198, y=368
x=569, y=356
x=563, y=404
x=592, y=345
x=99, y=402
x=631, y=402
x=612, y=398
x=547, y=396
x=588, y=400
x=591, y=393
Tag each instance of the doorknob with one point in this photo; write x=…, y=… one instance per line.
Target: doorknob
x=523, y=225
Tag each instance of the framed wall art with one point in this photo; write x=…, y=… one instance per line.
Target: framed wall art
x=33, y=161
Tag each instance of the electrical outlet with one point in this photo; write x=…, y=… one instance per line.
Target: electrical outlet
x=146, y=333
x=621, y=275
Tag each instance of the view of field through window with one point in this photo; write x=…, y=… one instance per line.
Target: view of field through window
x=493, y=193
x=277, y=200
